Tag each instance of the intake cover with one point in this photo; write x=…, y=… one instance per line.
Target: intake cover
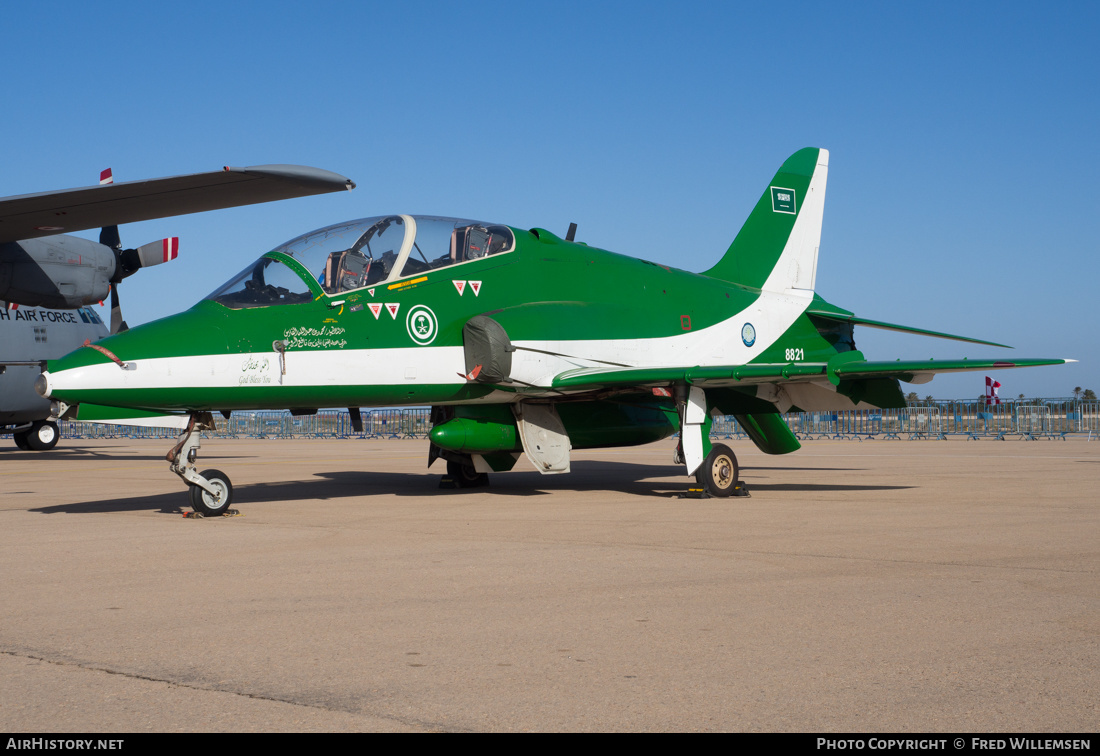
x=485, y=343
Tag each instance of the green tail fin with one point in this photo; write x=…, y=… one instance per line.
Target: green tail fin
x=776, y=249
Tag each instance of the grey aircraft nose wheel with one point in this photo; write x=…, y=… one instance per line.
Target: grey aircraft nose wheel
x=718, y=473
x=205, y=502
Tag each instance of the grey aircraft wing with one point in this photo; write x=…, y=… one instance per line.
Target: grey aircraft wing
x=28, y=216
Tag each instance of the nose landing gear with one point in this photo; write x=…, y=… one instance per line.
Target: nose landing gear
x=210, y=491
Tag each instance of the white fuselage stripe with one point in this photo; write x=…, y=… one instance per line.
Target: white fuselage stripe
x=721, y=344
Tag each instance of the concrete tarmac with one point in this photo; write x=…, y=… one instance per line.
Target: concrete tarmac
x=880, y=586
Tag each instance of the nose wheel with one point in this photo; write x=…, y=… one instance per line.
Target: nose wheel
x=215, y=502
x=210, y=491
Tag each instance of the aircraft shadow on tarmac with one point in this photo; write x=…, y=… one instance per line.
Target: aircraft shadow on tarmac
x=646, y=480
x=100, y=452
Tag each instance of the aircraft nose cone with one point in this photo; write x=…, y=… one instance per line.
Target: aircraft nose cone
x=42, y=385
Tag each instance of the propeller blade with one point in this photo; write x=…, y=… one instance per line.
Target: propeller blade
x=108, y=236
x=118, y=325
x=155, y=253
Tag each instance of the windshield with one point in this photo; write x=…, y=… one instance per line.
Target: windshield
x=264, y=283
x=361, y=253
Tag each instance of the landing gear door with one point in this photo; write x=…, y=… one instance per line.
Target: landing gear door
x=694, y=428
x=544, y=438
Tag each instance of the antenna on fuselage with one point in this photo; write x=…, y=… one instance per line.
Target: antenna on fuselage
x=571, y=234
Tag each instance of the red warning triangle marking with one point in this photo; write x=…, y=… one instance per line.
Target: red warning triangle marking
x=393, y=309
x=460, y=285
x=476, y=286
x=371, y=292
x=375, y=308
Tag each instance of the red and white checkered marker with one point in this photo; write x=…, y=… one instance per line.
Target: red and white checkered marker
x=991, y=387
x=106, y=177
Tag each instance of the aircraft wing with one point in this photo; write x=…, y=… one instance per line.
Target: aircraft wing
x=29, y=216
x=851, y=366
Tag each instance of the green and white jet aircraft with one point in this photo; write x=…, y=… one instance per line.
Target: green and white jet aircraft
x=522, y=342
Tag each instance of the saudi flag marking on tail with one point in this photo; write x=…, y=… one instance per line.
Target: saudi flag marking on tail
x=783, y=200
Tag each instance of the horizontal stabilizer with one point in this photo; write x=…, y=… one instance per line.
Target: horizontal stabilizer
x=821, y=310
x=29, y=216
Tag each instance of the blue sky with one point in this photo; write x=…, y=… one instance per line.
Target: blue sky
x=961, y=136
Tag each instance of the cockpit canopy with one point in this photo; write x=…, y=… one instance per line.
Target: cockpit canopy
x=363, y=253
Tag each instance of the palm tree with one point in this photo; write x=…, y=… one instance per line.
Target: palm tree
x=1077, y=392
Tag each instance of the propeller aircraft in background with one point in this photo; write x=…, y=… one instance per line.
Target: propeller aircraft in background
x=48, y=278
x=520, y=341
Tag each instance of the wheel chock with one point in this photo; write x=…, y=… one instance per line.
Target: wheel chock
x=739, y=489
x=694, y=493
x=226, y=513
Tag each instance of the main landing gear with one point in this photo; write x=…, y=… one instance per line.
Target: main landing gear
x=718, y=473
x=463, y=474
x=210, y=491
x=41, y=436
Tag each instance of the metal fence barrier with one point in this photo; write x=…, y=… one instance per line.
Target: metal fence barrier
x=1037, y=419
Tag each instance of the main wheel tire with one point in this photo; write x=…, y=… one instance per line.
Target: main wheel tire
x=465, y=475
x=718, y=473
x=20, y=439
x=43, y=435
x=203, y=501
